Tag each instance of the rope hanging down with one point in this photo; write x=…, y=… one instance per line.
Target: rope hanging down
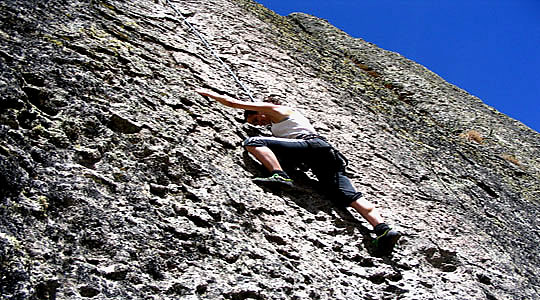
x=205, y=42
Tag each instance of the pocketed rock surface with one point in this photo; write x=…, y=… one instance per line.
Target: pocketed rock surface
x=118, y=181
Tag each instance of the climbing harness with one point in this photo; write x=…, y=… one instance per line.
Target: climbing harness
x=205, y=42
x=338, y=156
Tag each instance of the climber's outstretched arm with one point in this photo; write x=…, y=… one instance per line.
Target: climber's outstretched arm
x=235, y=103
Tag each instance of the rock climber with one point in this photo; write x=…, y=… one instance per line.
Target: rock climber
x=296, y=142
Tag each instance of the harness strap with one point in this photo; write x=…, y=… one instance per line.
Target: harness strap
x=335, y=152
x=340, y=155
x=310, y=137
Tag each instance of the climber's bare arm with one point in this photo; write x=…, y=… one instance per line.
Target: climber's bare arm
x=235, y=103
x=263, y=107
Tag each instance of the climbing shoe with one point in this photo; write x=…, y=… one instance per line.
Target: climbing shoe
x=384, y=243
x=274, y=180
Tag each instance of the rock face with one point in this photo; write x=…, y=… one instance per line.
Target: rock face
x=120, y=182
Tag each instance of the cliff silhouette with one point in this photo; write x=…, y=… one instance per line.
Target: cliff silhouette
x=119, y=181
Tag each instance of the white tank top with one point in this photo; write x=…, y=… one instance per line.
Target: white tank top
x=295, y=125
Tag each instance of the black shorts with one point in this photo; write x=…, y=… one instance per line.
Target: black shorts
x=317, y=154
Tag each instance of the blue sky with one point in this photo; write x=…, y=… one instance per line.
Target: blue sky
x=490, y=48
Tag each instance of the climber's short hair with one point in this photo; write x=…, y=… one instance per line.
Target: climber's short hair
x=248, y=113
x=269, y=99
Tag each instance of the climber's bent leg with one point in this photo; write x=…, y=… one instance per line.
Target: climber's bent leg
x=266, y=157
x=356, y=201
x=344, y=194
x=271, y=150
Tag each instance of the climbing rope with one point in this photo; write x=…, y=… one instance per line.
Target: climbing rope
x=205, y=42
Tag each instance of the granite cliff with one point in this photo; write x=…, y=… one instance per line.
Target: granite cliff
x=118, y=181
